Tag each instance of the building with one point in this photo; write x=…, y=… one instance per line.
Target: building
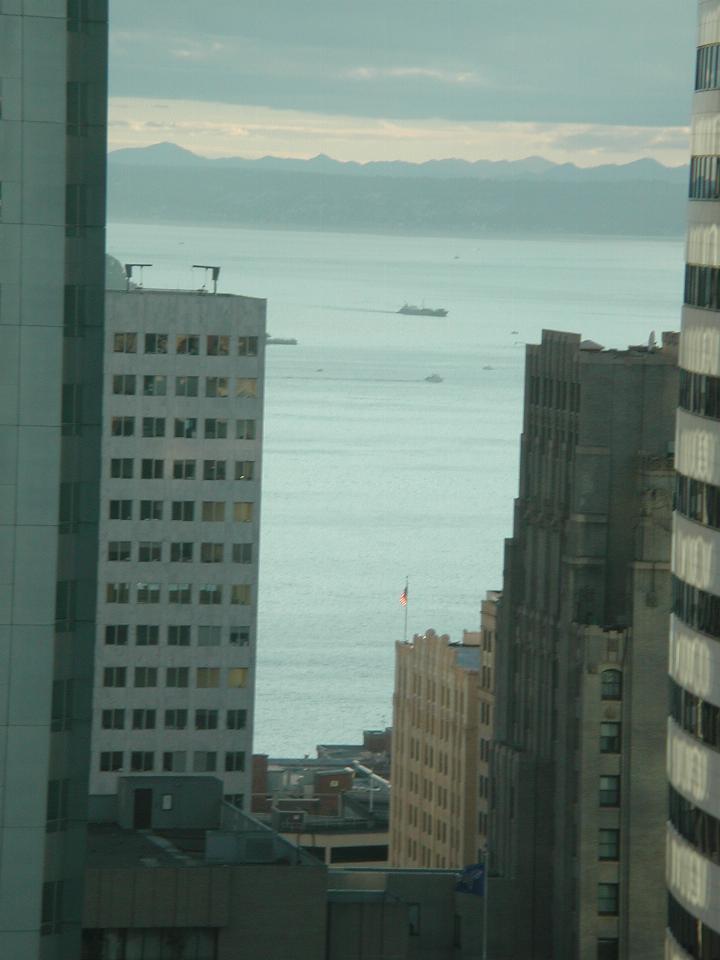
x=693, y=835
x=434, y=796
x=180, y=514
x=577, y=819
x=52, y=215
x=486, y=710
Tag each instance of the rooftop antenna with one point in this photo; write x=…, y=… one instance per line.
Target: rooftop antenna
x=215, y=271
x=129, y=267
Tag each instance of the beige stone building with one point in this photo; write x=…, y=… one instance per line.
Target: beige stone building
x=486, y=709
x=434, y=797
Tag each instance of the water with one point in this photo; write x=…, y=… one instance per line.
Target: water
x=370, y=473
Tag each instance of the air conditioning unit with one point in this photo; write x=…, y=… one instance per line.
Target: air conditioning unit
x=288, y=821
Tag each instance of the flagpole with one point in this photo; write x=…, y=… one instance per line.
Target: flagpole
x=407, y=600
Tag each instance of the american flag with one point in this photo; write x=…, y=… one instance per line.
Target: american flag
x=404, y=596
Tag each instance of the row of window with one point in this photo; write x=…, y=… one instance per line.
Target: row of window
x=189, y=344
x=697, y=608
x=706, y=67
x=697, y=717
x=698, y=940
x=704, y=178
x=205, y=677
x=177, y=635
x=151, y=551
x=700, y=394
x=211, y=511
x=697, y=826
x=147, y=719
x=698, y=501
x=216, y=428
x=155, y=385
x=702, y=286
x=172, y=761
x=152, y=468
x=208, y=594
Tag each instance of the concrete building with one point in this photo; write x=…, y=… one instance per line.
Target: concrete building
x=434, y=797
x=180, y=515
x=52, y=170
x=486, y=710
x=577, y=819
x=693, y=836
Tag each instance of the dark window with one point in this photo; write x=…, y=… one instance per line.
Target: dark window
x=247, y=346
x=609, y=791
x=188, y=344
x=147, y=635
x=178, y=636
x=608, y=948
x=186, y=428
x=608, y=899
x=218, y=346
x=156, y=343
x=608, y=844
x=116, y=634
x=611, y=685
x=186, y=386
x=153, y=427
x=181, y=552
x=706, y=67
x=152, y=469
x=154, y=385
x=610, y=740
x=121, y=468
x=215, y=429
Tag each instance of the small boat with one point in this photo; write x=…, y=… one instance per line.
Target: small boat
x=434, y=378
x=410, y=310
x=282, y=341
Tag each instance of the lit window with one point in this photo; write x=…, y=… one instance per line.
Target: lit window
x=216, y=386
x=243, y=512
x=213, y=511
x=237, y=677
x=207, y=677
x=218, y=346
x=188, y=344
x=125, y=343
x=241, y=594
x=246, y=387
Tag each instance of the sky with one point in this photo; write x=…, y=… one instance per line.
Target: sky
x=586, y=81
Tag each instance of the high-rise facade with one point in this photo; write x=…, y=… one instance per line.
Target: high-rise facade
x=52, y=166
x=693, y=838
x=577, y=815
x=180, y=514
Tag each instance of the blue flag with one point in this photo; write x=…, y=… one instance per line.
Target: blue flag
x=472, y=880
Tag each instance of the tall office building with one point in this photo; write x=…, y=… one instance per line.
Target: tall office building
x=52, y=167
x=180, y=513
x=577, y=820
x=693, y=840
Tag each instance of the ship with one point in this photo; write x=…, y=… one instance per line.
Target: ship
x=281, y=341
x=410, y=310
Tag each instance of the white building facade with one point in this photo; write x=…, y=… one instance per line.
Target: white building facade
x=180, y=514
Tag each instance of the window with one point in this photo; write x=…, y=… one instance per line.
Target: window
x=181, y=552
x=153, y=426
x=111, y=761
x=121, y=468
x=608, y=844
x=206, y=719
x=610, y=740
x=213, y=511
x=234, y=760
x=123, y=384
x=114, y=676
x=247, y=346
x=183, y=510
x=183, y=469
x=141, y=761
x=69, y=506
x=188, y=344
x=120, y=510
x=152, y=469
x=119, y=550
x=75, y=309
x=243, y=512
x=207, y=677
x=61, y=708
x=218, y=346
x=154, y=385
x=240, y=636
x=242, y=553
x=147, y=635
x=214, y=469
x=186, y=386
x=244, y=469
x=174, y=761
x=116, y=635
x=246, y=387
x=148, y=592
x=117, y=593
x=143, y=719
x=212, y=552
x=608, y=900
x=178, y=636
x=611, y=685
x=77, y=108
x=216, y=386
x=237, y=677
x=209, y=636
x=175, y=719
x=57, y=805
x=215, y=429
x=609, y=791
x=122, y=426
x=71, y=410
x=245, y=429
x=186, y=428
x=113, y=720
x=149, y=551
x=177, y=677
x=608, y=948
x=241, y=593
x=151, y=509
x=236, y=719
x=179, y=593
x=210, y=594
x=125, y=343
x=75, y=209
x=156, y=343
x=204, y=761
x=145, y=677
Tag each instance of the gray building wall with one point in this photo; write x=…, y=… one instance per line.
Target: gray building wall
x=52, y=167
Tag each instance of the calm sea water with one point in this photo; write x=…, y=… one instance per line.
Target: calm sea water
x=372, y=474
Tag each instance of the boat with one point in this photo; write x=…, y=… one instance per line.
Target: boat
x=282, y=341
x=434, y=378
x=410, y=310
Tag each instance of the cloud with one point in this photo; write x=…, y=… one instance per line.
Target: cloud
x=463, y=77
